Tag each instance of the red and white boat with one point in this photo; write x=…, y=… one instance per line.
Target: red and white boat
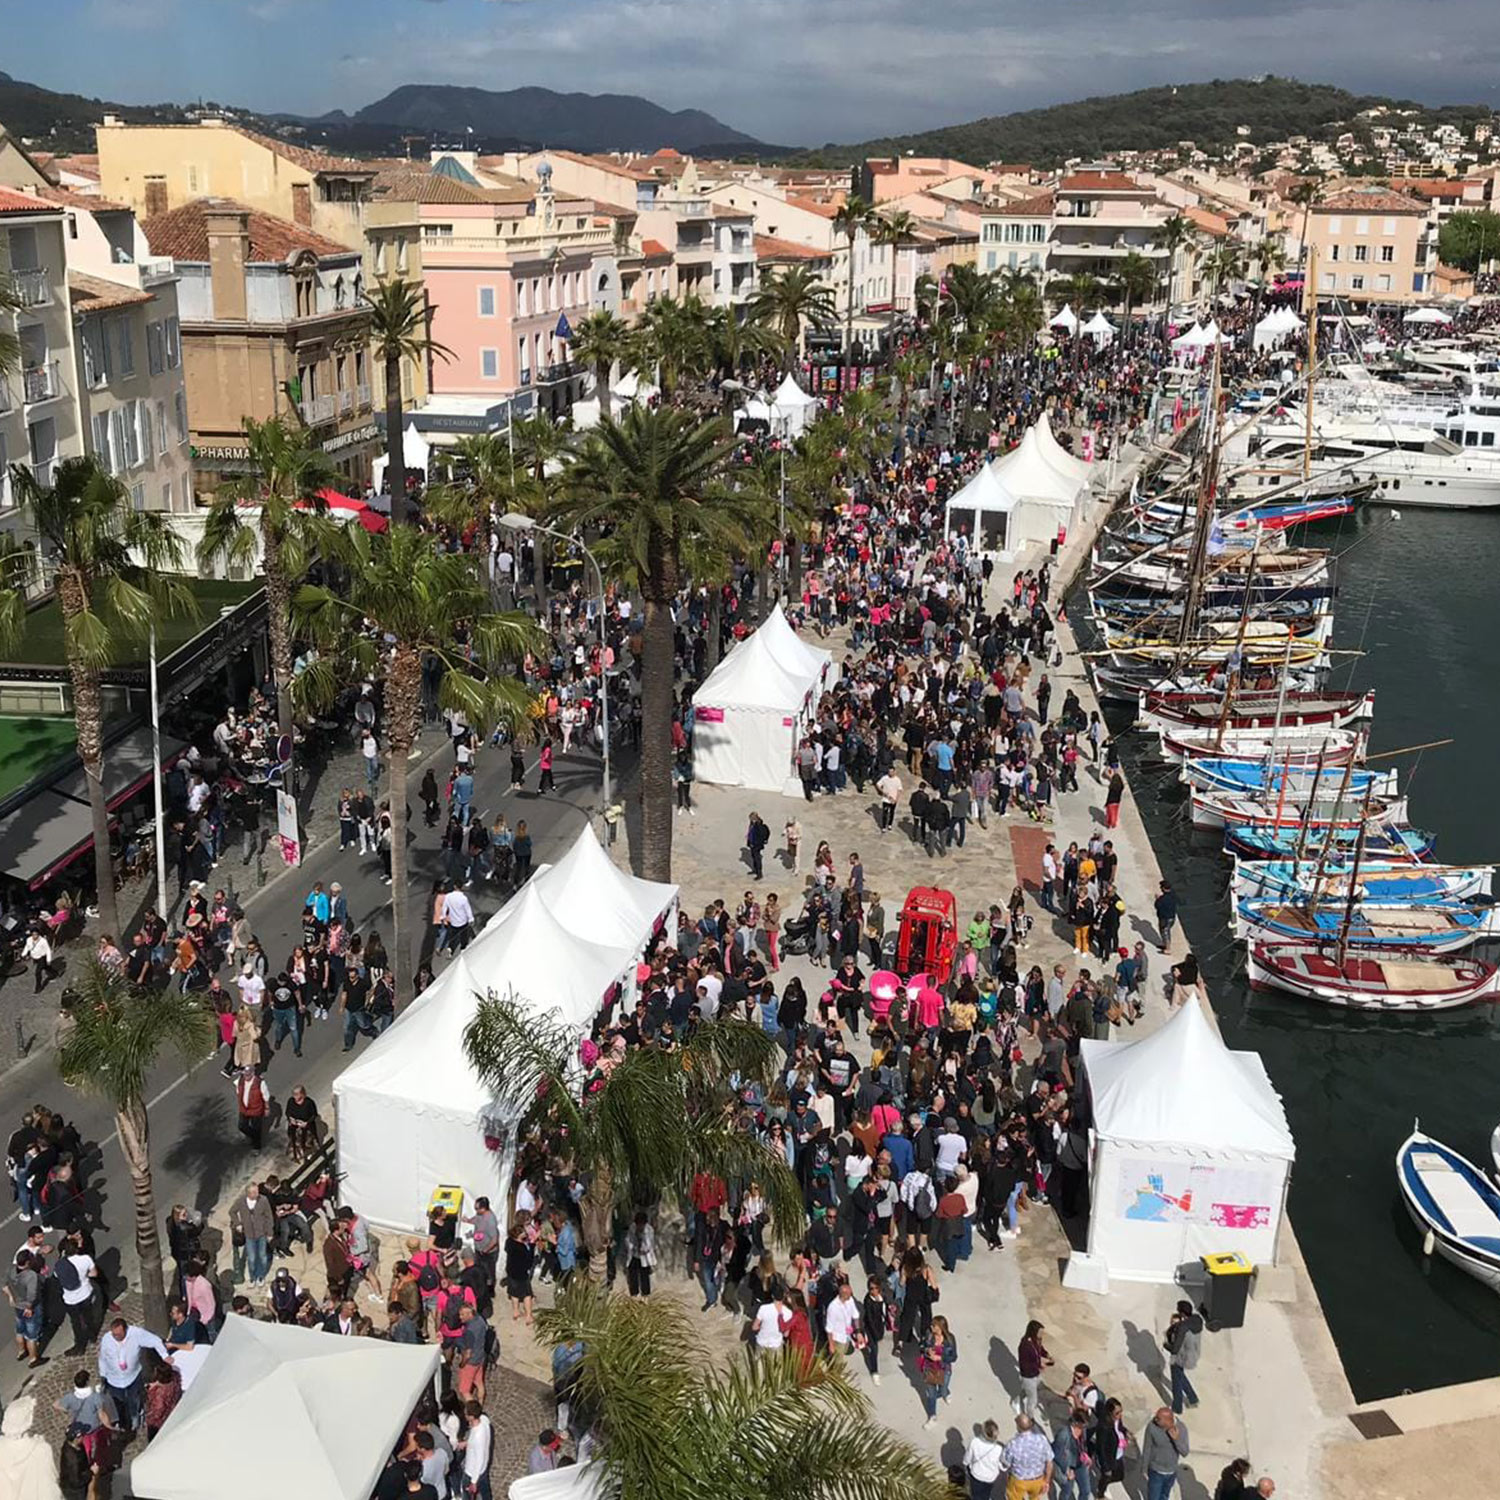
x=1382, y=980
x=1230, y=810
x=1167, y=712
x=1296, y=747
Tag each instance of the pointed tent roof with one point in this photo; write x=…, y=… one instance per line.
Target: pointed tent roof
x=984, y=491
x=1067, y=464
x=789, y=395
x=592, y=897
x=788, y=648
x=751, y=677
x=305, y=1384
x=1192, y=339
x=1099, y=324
x=1026, y=473
x=1181, y=1086
x=1066, y=318
x=448, y=166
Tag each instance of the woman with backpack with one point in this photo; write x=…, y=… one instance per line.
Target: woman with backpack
x=935, y=1364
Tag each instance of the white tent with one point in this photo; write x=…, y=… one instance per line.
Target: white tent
x=1426, y=315
x=631, y=387
x=1193, y=339
x=793, y=407
x=790, y=650
x=416, y=454
x=1191, y=1152
x=335, y=1406
x=756, y=410
x=1064, y=319
x=1100, y=328
x=411, y=1113
x=1056, y=455
x=982, y=510
x=1274, y=326
x=750, y=713
x=586, y=1481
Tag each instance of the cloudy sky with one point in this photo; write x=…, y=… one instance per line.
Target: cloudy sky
x=791, y=71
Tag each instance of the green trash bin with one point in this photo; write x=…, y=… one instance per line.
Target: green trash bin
x=1227, y=1290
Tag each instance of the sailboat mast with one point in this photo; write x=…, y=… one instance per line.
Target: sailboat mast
x=1359, y=854
x=1328, y=841
x=1198, y=557
x=1310, y=304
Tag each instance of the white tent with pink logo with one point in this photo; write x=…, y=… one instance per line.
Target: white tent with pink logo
x=750, y=714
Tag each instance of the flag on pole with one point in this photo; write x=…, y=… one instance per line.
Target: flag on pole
x=563, y=331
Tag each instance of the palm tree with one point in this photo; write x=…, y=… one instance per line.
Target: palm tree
x=115, y=1036
x=853, y=215
x=789, y=301
x=493, y=486
x=1267, y=257
x=541, y=446
x=289, y=472
x=927, y=298
x=1306, y=194
x=1224, y=263
x=973, y=295
x=10, y=342
x=400, y=328
x=673, y=337
x=1172, y=236
x=895, y=228
x=661, y=1119
x=655, y=477
x=599, y=341
x=113, y=581
x=733, y=339
x=1077, y=291
x=402, y=601
x=779, y=1426
x=1135, y=277
x=1022, y=313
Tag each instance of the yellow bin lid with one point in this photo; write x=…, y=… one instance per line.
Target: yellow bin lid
x=1231, y=1263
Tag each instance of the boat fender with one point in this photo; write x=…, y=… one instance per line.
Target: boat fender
x=1429, y=1241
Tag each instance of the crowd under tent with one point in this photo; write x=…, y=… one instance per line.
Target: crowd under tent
x=337, y=1408
x=1100, y=329
x=982, y=511
x=1190, y=1154
x=411, y=1113
x=416, y=455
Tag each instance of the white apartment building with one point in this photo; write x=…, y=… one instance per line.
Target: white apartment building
x=1016, y=236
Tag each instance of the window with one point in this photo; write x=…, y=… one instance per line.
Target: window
x=138, y=496
x=401, y=254
x=525, y=364
x=174, y=343
x=989, y=259
x=1361, y=252
x=1361, y=226
x=1038, y=233
x=95, y=354
x=129, y=435
x=143, y=420
x=339, y=291
x=101, y=440
x=161, y=426
x=1327, y=281
x=1333, y=252
x=1487, y=440
x=180, y=406
x=1389, y=227
x=521, y=299
x=1356, y=283
x=1012, y=259
x=489, y=364
x=1387, y=254
x=1335, y=226
x=156, y=352
x=192, y=182
x=991, y=233
x=1382, y=283
x=487, y=303
x=166, y=495
x=125, y=346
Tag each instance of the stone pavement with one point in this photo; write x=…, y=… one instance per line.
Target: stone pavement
x=1273, y=1391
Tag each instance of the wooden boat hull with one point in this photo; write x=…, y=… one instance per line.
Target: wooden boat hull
x=1407, y=927
x=1421, y=1163
x=1296, y=747
x=1399, y=845
x=1370, y=981
x=1287, y=880
x=1225, y=809
x=1168, y=710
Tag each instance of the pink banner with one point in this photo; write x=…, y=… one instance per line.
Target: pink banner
x=711, y=715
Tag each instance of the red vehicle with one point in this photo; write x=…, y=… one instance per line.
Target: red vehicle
x=928, y=936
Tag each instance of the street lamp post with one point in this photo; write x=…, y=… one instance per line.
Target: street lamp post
x=161, y=820
x=515, y=521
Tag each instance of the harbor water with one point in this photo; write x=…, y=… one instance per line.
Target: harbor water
x=1417, y=594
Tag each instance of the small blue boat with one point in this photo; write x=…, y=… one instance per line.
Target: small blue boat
x=1394, y=845
x=1452, y=1204
x=1425, y=927
x=1254, y=776
x=1381, y=882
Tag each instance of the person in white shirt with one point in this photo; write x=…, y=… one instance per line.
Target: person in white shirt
x=38, y=948
x=841, y=1319
x=950, y=1147
x=251, y=986
x=77, y=1286
x=772, y=1319
x=458, y=919
x=120, y=1365
x=477, y=1448
x=982, y=1460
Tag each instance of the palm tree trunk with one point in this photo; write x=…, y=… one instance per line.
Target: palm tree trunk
x=405, y=695
x=601, y=381
x=278, y=627
x=714, y=627
x=135, y=1145
x=792, y=541
x=656, y=729
x=88, y=711
x=395, y=473
x=849, y=309
x=597, y=1212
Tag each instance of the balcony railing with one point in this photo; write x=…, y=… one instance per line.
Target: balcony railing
x=525, y=379
x=364, y=397
x=42, y=473
x=346, y=402
x=32, y=287
x=317, y=409
x=157, y=268
x=41, y=382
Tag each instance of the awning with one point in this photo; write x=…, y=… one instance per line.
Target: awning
x=54, y=827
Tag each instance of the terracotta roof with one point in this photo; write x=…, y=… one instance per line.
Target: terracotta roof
x=1100, y=182
x=94, y=294
x=304, y=156
x=404, y=183
x=655, y=250
x=1432, y=187
x=67, y=198
x=24, y=203
x=85, y=164
x=768, y=247
x=815, y=206
x=1039, y=207
x=1211, y=223
x=1009, y=168
x=1376, y=201
x=182, y=233
x=666, y=153
x=721, y=212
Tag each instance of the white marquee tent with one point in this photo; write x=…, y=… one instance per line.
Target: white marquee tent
x=1066, y=318
x=1275, y=326
x=752, y=710
x=586, y=1481
x=336, y=1408
x=793, y=407
x=1047, y=499
x=1191, y=1152
x=1100, y=328
x=1079, y=469
x=1426, y=315
x=416, y=454
x=411, y=1112
x=981, y=510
